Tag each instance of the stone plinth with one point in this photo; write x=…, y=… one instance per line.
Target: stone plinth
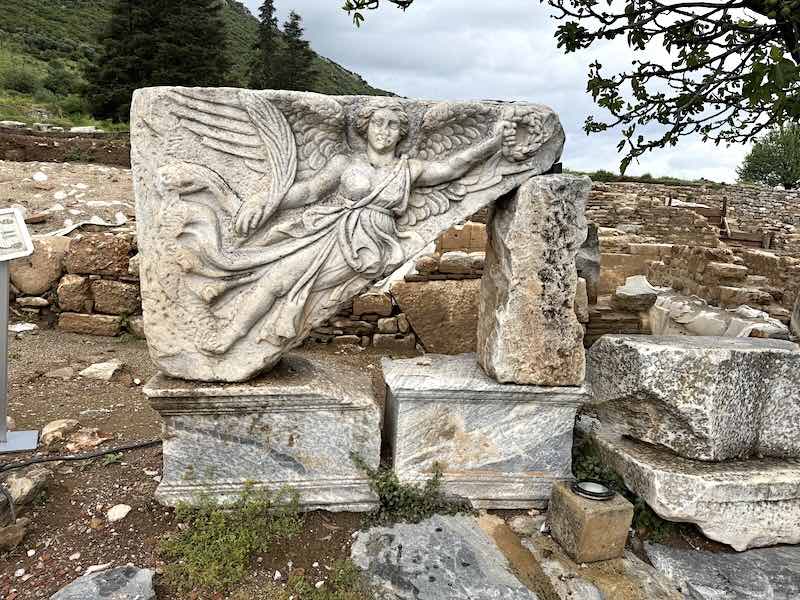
x=527, y=330
x=298, y=427
x=589, y=530
x=704, y=398
x=500, y=446
x=745, y=504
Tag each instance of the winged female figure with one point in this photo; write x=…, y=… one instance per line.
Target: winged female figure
x=312, y=216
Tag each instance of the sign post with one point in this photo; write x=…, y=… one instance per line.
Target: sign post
x=15, y=242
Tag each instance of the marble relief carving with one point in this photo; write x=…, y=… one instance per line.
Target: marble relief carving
x=262, y=212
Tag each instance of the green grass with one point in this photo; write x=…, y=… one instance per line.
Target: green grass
x=34, y=33
x=214, y=551
x=345, y=582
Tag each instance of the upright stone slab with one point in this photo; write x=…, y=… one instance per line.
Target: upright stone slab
x=298, y=427
x=262, y=213
x=500, y=446
x=794, y=325
x=706, y=398
x=527, y=330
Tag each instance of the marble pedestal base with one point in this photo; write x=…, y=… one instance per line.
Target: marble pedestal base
x=296, y=427
x=500, y=446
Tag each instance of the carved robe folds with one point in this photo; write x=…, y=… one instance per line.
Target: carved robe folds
x=261, y=212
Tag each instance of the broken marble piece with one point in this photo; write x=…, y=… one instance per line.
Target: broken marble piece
x=637, y=295
x=299, y=426
x=500, y=446
x=528, y=332
x=262, y=213
x=565, y=579
x=745, y=504
x=122, y=583
x=102, y=371
x=772, y=573
x=441, y=557
x=676, y=314
x=706, y=398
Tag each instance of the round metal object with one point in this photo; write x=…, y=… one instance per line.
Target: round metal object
x=592, y=489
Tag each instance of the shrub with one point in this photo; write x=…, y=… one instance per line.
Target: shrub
x=20, y=79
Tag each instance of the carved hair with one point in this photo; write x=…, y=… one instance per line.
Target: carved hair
x=363, y=116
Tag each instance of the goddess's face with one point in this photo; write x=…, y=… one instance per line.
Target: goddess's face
x=384, y=130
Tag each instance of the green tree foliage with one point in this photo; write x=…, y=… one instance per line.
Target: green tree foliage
x=774, y=159
x=295, y=66
x=156, y=42
x=263, y=70
x=733, y=70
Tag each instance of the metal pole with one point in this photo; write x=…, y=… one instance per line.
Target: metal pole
x=3, y=351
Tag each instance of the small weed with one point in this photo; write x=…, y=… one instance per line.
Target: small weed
x=402, y=502
x=77, y=154
x=588, y=464
x=112, y=459
x=215, y=549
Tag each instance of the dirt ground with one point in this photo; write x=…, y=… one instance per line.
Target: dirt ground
x=70, y=519
x=71, y=193
x=106, y=149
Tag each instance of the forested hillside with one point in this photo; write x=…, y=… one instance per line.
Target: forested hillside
x=45, y=45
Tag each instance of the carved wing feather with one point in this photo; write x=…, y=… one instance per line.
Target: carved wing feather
x=318, y=124
x=445, y=130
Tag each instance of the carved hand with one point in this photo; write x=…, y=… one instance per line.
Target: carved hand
x=506, y=133
x=250, y=217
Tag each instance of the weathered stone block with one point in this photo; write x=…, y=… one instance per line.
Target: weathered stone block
x=589, y=530
x=75, y=294
x=528, y=332
x=745, y=504
x=500, y=446
x=443, y=314
x=99, y=254
x=37, y=273
x=735, y=296
x=395, y=342
x=300, y=426
x=794, y=325
x=470, y=237
x=376, y=303
x=704, y=398
x=116, y=297
x=718, y=272
x=582, y=301
x=103, y=325
x=388, y=325
x=637, y=295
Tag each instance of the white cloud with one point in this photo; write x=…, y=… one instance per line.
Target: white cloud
x=504, y=49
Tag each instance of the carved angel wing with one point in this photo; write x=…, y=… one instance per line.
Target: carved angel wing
x=319, y=129
x=445, y=130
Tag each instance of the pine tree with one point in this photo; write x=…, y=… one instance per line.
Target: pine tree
x=296, y=66
x=126, y=59
x=156, y=42
x=192, y=44
x=263, y=73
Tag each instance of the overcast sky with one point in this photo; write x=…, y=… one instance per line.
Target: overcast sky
x=493, y=49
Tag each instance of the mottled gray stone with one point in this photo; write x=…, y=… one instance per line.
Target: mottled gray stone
x=528, y=332
x=442, y=557
x=500, y=446
x=772, y=573
x=122, y=583
x=299, y=426
x=263, y=213
x=745, y=504
x=705, y=398
x=637, y=295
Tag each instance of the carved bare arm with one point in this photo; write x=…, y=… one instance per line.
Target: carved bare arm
x=315, y=189
x=253, y=215
x=427, y=174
